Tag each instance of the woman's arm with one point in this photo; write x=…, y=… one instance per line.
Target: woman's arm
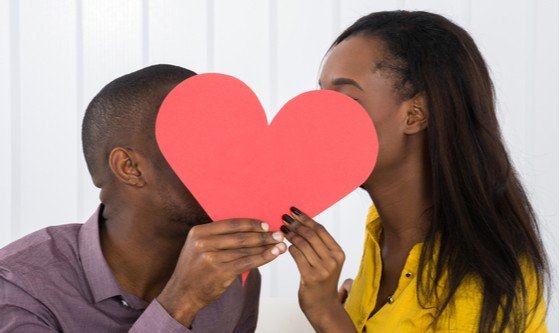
x=319, y=260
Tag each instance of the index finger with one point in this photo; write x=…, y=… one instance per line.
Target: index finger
x=250, y=262
x=323, y=234
x=232, y=226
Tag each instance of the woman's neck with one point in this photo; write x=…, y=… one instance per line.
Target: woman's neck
x=402, y=197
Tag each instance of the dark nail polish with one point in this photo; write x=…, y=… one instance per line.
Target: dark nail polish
x=288, y=218
x=295, y=210
x=284, y=229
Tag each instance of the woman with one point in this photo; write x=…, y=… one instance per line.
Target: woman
x=452, y=242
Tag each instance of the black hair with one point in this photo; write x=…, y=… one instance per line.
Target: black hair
x=125, y=111
x=481, y=217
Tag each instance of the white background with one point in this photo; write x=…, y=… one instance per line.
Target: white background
x=56, y=55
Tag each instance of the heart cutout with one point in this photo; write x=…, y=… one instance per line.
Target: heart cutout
x=213, y=131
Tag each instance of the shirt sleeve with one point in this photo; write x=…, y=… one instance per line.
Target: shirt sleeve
x=248, y=320
x=22, y=313
x=155, y=319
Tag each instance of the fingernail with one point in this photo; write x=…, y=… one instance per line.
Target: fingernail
x=281, y=247
x=278, y=236
x=275, y=251
x=295, y=210
x=284, y=229
x=265, y=226
x=288, y=218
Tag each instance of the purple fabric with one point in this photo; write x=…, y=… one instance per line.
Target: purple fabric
x=56, y=279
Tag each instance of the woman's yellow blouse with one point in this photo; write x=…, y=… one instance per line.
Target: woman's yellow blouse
x=402, y=313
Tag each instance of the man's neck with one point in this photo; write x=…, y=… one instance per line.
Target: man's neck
x=140, y=257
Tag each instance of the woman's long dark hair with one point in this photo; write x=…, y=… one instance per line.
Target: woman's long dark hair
x=481, y=217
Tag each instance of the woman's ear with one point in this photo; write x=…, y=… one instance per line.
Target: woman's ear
x=124, y=165
x=416, y=119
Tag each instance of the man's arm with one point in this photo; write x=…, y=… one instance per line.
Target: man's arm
x=22, y=313
x=155, y=319
x=213, y=256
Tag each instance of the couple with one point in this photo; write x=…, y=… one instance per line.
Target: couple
x=451, y=244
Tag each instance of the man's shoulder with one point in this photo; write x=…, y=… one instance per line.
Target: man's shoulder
x=42, y=250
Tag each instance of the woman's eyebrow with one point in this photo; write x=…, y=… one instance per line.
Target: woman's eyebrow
x=339, y=81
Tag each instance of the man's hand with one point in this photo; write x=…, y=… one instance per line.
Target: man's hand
x=212, y=258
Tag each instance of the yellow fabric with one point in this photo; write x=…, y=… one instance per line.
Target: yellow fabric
x=404, y=314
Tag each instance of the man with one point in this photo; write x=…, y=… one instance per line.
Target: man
x=147, y=260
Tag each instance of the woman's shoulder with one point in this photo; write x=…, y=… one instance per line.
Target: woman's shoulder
x=466, y=305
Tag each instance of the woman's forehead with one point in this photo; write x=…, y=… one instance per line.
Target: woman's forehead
x=352, y=58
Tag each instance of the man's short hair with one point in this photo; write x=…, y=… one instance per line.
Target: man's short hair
x=125, y=110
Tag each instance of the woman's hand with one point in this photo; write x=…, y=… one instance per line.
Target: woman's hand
x=319, y=259
x=344, y=290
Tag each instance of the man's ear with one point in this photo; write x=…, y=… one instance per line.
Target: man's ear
x=416, y=118
x=125, y=167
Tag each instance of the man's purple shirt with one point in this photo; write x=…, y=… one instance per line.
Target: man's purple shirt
x=57, y=279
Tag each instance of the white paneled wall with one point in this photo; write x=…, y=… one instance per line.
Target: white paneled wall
x=56, y=55
x=6, y=107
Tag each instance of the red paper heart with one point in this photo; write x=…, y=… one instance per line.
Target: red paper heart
x=213, y=131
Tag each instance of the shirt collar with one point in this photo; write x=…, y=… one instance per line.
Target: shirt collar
x=373, y=223
x=101, y=281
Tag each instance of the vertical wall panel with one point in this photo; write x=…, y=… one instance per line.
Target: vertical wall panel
x=542, y=117
x=505, y=48
x=48, y=95
x=457, y=11
x=241, y=33
x=178, y=34
x=5, y=126
x=352, y=216
x=15, y=121
x=112, y=46
x=305, y=31
x=350, y=11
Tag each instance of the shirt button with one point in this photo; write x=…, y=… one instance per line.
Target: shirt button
x=124, y=303
x=390, y=300
x=408, y=274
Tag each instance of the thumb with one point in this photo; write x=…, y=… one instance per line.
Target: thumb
x=344, y=290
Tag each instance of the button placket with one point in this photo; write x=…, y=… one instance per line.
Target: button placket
x=401, y=286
